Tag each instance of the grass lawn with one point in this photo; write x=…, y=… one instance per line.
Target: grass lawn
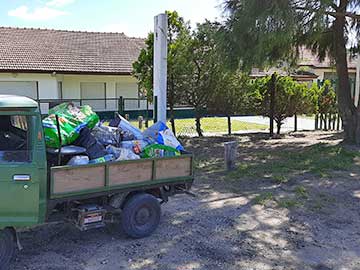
x=291, y=172
x=211, y=125
x=319, y=159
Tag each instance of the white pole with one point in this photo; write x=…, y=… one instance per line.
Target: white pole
x=160, y=66
x=357, y=82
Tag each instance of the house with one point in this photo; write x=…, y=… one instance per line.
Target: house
x=324, y=70
x=299, y=75
x=54, y=64
x=310, y=69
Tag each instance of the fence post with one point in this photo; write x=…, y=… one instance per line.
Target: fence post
x=229, y=124
x=329, y=121
x=316, y=121
x=120, y=105
x=295, y=122
x=147, y=114
x=230, y=155
x=140, y=120
x=155, y=109
x=321, y=121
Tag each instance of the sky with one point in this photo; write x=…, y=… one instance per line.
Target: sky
x=132, y=17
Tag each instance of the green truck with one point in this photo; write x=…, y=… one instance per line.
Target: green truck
x=32, y=192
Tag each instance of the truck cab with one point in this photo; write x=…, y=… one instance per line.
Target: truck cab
x=23, y=184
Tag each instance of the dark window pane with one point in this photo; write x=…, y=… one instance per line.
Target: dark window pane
x=14, y=139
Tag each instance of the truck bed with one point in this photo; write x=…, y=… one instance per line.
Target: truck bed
x=67, y=181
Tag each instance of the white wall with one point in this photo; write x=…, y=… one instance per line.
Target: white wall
x=71, y=85
x=47, y=84
x=321, y=72
x=116, y=86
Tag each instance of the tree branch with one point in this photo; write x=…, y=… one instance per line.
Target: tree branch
x=344, y=14
x=333, y=13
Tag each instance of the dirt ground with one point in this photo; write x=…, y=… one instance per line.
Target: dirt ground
x=306, y=222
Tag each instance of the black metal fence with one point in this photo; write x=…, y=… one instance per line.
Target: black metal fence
x=98, y=104
x=106, y=107
x=328, y=121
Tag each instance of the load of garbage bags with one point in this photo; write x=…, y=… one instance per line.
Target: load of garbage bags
x=106, y=141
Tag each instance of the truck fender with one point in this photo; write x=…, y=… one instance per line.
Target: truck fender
x=117, y=201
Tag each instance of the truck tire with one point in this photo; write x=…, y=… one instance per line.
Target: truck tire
x=7, y=248
x=140, y=215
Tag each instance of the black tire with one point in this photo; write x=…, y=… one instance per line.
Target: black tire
x=7, y=248
x=140, y=215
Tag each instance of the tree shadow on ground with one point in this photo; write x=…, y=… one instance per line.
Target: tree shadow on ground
x=236, y=221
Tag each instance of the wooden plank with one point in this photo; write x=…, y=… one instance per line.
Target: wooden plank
x=78, y=179
x=230, y=155
x=128, y=173
x=170, y=168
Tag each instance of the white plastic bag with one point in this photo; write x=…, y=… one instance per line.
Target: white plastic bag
x=121, y=153
x=127, y=154
x=78, y=160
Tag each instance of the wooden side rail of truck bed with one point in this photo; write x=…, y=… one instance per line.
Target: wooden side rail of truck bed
x=68, y=181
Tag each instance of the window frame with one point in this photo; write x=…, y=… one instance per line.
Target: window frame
x=31, y=121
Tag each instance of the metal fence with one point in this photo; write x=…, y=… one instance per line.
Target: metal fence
x=328, y=122
x=106, y=107
x=98, y=104
x=135, y=104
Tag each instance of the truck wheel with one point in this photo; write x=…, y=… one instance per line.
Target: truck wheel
x=7, y=248
x=140, y=215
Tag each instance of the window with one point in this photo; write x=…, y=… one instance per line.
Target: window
x=94, y=94
x=14, y=139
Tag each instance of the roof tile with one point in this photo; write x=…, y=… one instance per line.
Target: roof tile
x=45, y=50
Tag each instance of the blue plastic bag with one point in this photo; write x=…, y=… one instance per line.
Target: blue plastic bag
x=161, y=134
x=130, y=132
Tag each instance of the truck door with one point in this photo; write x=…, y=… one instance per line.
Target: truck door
x=19, y=181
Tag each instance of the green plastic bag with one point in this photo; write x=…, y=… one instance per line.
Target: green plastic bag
x=71, y=120
x=159, y=150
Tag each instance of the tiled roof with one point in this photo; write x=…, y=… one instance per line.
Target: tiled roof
x=44, y=50
x=307, y=58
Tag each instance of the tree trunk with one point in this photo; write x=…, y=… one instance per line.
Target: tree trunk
x=198, y=125
x=295, y=122
x=272, y=93
x=349, y=114
x=229, y=124
x=278, y=127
